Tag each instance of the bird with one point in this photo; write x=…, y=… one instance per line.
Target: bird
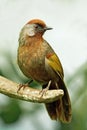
x=39, y=62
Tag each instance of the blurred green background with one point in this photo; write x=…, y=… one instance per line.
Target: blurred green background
x=69, y=40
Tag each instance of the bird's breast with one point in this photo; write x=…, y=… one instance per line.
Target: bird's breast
x=31, y=61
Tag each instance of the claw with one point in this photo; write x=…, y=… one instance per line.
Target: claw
x=24, y=85
x=21, y=86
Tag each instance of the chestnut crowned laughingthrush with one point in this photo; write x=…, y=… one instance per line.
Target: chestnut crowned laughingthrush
x=38, y=61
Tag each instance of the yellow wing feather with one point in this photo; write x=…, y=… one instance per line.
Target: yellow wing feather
x=55, y=63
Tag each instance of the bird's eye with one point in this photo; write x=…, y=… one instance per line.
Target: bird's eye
x=36, y=26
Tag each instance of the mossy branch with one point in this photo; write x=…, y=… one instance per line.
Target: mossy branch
x=29, y=94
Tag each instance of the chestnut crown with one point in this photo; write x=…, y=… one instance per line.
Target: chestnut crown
x=36, y=27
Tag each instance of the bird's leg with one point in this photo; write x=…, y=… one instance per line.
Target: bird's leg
x=43, y=91
x=56, y=85
x=24, y=85
x=30, y=81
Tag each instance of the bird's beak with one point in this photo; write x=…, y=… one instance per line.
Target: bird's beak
x=47, y=28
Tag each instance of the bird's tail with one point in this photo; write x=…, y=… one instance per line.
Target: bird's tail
x=60, y=109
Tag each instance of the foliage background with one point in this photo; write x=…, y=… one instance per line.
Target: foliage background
x=69, y=40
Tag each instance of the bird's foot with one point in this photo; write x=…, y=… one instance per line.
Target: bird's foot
x=20, y=86
x=43, y=91
x=24, y=85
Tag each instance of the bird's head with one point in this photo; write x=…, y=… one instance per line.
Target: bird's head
x=35, y=27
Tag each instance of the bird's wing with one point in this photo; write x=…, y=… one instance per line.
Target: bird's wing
x=54, y=62
x=62, y=110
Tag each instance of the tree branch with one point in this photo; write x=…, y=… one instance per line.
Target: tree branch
x=10, y=88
